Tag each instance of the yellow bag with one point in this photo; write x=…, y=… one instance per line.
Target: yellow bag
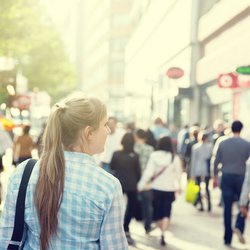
x=192, y=191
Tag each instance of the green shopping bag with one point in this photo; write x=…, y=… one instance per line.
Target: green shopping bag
x=192, y=191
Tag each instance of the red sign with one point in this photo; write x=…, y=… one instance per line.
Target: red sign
x=21, y=102
x=233, y=80
x=229, y=80
x=175, y=73
x=244, y=81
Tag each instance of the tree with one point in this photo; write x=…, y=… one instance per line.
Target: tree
x=27, y=34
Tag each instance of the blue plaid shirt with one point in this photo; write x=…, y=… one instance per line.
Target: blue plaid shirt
x=91, y=213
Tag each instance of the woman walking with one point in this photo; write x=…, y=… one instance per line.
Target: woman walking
x=200, y=167
x=164, y=170
x=71, y=203
x=126, y=167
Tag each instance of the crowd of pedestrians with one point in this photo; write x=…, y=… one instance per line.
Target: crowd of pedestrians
x=98, y=162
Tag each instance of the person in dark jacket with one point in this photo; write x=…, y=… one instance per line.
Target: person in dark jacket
x=126, y=167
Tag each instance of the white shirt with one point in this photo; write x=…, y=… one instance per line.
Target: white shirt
x=169, y=180
x=5, y=141
x=113, y=143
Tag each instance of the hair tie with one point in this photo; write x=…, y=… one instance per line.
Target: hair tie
x=61, y=105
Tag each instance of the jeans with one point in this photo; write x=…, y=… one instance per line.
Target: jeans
x=146, y=200
x=231, y=185
x=132, y=206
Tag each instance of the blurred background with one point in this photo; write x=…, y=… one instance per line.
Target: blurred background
x=186, y=61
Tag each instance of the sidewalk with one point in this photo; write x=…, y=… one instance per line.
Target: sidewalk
x=190, y=230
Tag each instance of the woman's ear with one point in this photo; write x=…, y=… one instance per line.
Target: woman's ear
x=87, y=133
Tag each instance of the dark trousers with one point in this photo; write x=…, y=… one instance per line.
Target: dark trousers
x=147, y=209
x=132, y=206
x=198, y=181
x=231, y=185
x=1, y=163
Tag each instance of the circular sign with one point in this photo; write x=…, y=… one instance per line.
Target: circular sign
x=229, y=80
x=175, y=72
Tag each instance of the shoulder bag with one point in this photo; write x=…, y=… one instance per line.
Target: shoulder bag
x=18, y=235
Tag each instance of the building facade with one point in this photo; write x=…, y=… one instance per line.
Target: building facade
x=196, y=37
x=107, y=30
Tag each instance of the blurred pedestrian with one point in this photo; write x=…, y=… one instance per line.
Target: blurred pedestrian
x=218, y=131
x=144, y=151
x=159, y=129
x=150, y=139
x=164, y=170
x=200, y=167
x=113, y=143
x=71, y=203
x=245, y=192
x=232, y=154
x=182, y=139
x=23, y=146
x=126, y=167
x=5, y=143
x=190, y=142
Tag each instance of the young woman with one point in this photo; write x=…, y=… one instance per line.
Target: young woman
x=126, y=167
x=71, y=203
x=165, y=169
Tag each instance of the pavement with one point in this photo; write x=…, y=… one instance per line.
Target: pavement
x=190, y=229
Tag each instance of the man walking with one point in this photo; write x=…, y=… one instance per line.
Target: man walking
x=232, y=154
x=144, y=151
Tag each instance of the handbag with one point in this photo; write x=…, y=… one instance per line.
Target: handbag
x=192, y=191
x=18, y=236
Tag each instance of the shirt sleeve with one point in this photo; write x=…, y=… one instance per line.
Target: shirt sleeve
x=217, y=160
x=7, y=218
x=147, y=174
x=193, y=162
x=112, y=235
x=244, y=197
x=178, y=170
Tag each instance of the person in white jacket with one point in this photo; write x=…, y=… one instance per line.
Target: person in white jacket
x=164, y=172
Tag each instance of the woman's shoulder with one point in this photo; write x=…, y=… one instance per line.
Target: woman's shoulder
x=105, y=179
x=16, y=176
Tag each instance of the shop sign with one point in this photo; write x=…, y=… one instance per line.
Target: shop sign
x=22, y=102
x=175, y=72
x=244, y=80
x=244, y=70
x=232, y=80
x=229, y=80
